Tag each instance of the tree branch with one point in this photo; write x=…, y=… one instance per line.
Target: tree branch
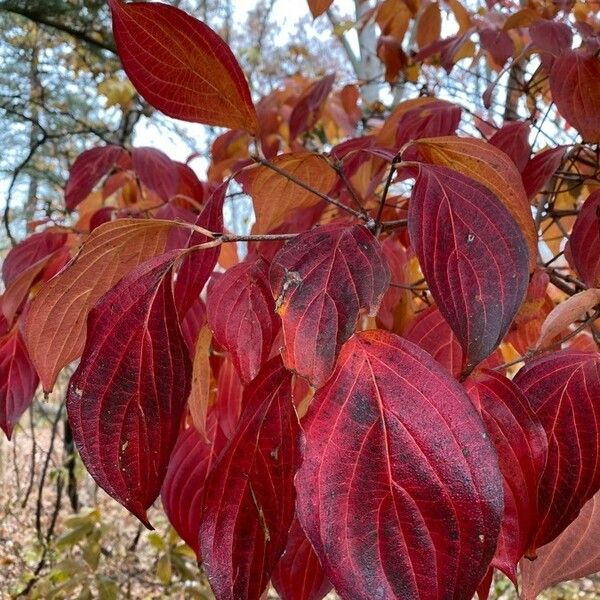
x=21, y=10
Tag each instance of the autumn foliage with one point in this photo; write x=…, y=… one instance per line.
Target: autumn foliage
x=391, y=385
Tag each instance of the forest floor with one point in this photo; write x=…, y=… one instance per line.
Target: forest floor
x=104, y=553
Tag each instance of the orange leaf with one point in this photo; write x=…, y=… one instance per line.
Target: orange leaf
x=429, y=26
x=461, y=15
x=201, y=379
x=275, y=196
x=55, y=329
x=318, y=7
x=566, y=313
x=181, y=66
x=490, y=166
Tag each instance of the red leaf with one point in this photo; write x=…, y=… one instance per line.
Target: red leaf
x=229, y=398
x=540, y=168
x=241, y=314
x=573, y=554
x=197, y=266
x=498, y=43
x=17, y=292
x=298, y=575
x=192, y=323
x=435, y=118
x=308, y=109
x=127, y=397
x=89, y=168
x=551, y=36
x=563, y=389
x=485, y=164
x=249, y=493
x=181, y=66
x=18, y=380
x=522, y=448
x=396, y=305
x=156, y=171
x=399, y=491
x=466, y=242
x=321, y=280
x=182, y=488
x=431, y=332
x=513, y=139
x=189, y=184
x=30, y=251
x=575, y=71
x=101, y=216
x=584, y=243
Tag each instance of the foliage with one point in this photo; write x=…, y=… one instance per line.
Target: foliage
x=334, y=399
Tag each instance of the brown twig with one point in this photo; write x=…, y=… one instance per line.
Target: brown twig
x=308, y=188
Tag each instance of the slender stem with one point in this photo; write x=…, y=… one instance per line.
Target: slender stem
x=386, y=189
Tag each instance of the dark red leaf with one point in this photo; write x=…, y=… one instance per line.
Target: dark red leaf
x=433, y=119
x=563, y=389
x=197, y=266
x=399, y=492
x=179, y=237
x=467, y=242
x=540, y=169
x=513, y=139
x=574, y=70
x=498, y=43
x=189, y=184
x=308, y=109
x=241, y=314
x=18, y=380
x=584, y=244
x=101, y=216
x=298, y=575
x=249, y=494
x=89, y=168
x=193, y=321
x=321, y=280
x=522, y=447
x=181, y=492
x=127, y=397
x=156, y=171
x=430, y=331
x=551, y=36
x=229, y=397
x=30, y=251
x=181, y=66
x=396, y=305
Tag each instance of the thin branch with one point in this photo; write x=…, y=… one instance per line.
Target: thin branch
x=587, y=322
x=308, y=188
x=36, y=17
